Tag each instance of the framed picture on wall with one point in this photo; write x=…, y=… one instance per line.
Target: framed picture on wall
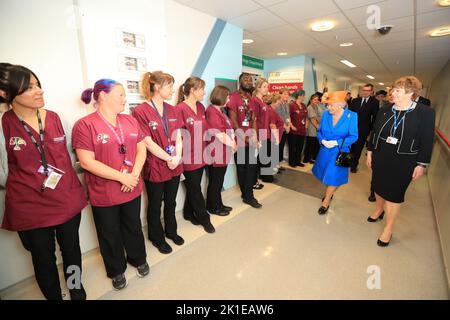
x=128, y=39
x=131, y=86
x=132, y=63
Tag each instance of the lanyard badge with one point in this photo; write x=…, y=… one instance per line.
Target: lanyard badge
x=170, y=149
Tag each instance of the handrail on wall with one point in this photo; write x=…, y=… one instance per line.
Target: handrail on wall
x=443, y=138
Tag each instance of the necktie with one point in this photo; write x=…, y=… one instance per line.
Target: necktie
x=364, y=101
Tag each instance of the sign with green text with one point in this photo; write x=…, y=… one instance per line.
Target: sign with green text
x=251, y=62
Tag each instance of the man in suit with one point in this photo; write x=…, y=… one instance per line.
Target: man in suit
x=366, y=107
x=422, y=100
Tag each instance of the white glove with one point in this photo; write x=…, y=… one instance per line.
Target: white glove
x=333, y=143
x=329, y=143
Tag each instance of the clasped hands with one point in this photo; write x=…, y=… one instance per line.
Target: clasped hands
x=329, y=143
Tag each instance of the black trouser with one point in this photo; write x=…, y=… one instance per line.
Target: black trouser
x=247, y=170
x=156, y=192
x=215, y=184
x=41, y=244
x=281, y=145
x=119, y=227
x=358, y=147
x=296, y=143
x=194, y=203
x=311, y=149
x=267, y=161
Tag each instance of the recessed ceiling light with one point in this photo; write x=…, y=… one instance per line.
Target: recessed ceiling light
x=348, y=63
x=444, y=3
x=370, y=77
x=444, y=31
x=346, y=44
x=381, y=83
x=322, y=26
x=248, y=41
x=282, y=54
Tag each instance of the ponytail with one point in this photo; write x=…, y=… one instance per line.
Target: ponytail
x=105, y=85
x=86, y=96
x=181, y=94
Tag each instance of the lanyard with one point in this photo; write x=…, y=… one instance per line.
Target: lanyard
x=399, y=122
x=164, y=120
x=121, y=139
x=41, y=138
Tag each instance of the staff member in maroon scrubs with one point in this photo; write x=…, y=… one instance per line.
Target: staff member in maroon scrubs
x=243, y=120
x=219, y=150
x=44, y=197
x=110, y=148
x=192, y=114
x=297, y=135
x=160, y=124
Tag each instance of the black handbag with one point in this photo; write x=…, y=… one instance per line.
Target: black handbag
x=344, y=159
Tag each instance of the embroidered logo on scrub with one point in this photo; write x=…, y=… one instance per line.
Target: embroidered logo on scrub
x=133, y=135
x=190, y=121
x=16, y=142
x=102, y=137
x=153, y=124
x=241, y=108
x=59, y=139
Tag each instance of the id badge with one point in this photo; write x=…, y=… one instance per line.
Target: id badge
x=127, y=167
x=245, y=123
x=52, y=180
x=170, y=149
x=392, y=140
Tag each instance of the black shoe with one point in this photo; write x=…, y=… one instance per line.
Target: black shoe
x=270, y=180
x=311, y=161
x=176, y=239
x=226, y=208
x=323, y=210
x=78, y=294
x=119, y=282
x=209, y=227
x=372, y=197
x=258, y=186
x=192, y=220
x=219, y=212
x=300, y=164
x=370, y=219
x=163, y=247
x=383, y=244
x=253, y=202
x=354, y=170
x=293, y=165
x=143, y=270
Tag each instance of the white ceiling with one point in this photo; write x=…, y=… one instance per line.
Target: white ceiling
x=284, y=26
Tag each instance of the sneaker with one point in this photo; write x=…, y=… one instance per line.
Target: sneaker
x=119, y=282
x=209, y=227
x=143, y=270
x=163, y=247
x=176, y=239
x=253, y=202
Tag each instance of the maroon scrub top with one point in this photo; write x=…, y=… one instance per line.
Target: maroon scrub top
x=218, y=121
x=299, y=114
x=26, y=206
x=91, y=133
x=194, y=145
x=274, y=118
x=236, y=104
x=156, y=169
x=262, y=111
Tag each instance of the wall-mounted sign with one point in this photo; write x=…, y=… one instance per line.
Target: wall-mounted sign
x=252, y=62
x=292, y=86
x=291, y=79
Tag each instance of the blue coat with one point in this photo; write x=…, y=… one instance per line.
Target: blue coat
x=325, y=168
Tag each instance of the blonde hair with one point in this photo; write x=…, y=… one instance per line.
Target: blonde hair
x=149, y=79
x=259, y=84
x=283, y=90
x=276, y=97
x=410, y=84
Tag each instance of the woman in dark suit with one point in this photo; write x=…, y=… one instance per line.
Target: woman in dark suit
x=400, y=149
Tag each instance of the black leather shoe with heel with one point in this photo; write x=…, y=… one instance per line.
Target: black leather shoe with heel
x=381, y=216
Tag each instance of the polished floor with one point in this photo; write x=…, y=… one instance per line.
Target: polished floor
x=287, y=251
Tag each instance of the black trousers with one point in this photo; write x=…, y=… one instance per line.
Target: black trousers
x=215, y=184
x=41, y=244
x=296, y=143
x=247, y=170
x=311, y=149
x=194, y=203
x=358, y=147
x=156, y=192
x=267, y=161
x=119, y=227
x=281, y=146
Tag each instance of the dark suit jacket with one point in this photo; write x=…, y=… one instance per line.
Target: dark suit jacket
x=423, y=100
x=366, y=114
x=417, y=132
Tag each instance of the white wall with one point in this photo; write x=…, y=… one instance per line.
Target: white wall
x=69, y=56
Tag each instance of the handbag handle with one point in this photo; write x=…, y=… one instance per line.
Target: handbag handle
x=342, y=143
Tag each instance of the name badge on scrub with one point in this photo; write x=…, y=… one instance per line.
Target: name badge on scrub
x=127, y=167
x=53, y=178
x=392, y=140
x=170, y=149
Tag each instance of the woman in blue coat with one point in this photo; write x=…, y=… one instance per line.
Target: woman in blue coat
x=338, y=126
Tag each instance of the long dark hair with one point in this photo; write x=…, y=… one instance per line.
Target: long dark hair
x=14, y=80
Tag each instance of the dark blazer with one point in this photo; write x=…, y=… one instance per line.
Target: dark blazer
x=423, y=100
x=366, y=114
x=417, y=132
